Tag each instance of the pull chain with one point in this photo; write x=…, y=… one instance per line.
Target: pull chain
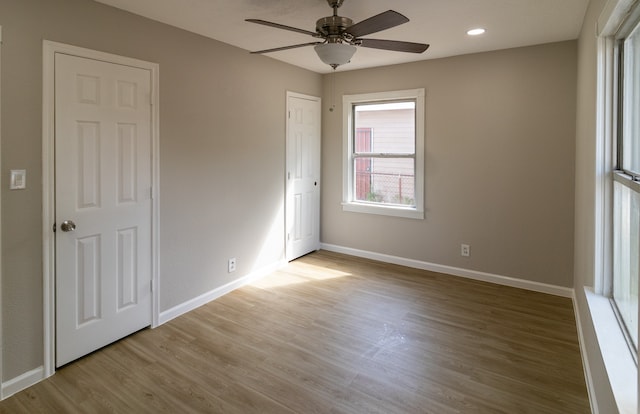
x=333, y=90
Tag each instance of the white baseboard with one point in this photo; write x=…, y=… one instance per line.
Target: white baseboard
x=207, y=297
x=455, y=271
x=21, y=382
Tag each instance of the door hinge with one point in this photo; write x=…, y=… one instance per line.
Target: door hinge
x=151, y=285
x=288, y=236
x=54, y=227
x=288, y=175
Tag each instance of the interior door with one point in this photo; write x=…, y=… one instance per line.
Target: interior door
x=103, y=203
x=303, y=175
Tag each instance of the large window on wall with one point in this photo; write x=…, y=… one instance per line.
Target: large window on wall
x=626, y=181
x=384, y=153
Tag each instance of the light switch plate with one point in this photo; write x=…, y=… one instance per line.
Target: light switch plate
x=18, y=180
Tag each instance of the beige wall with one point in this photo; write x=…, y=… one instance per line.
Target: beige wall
x=500, y=136
x=585, y=200
x=222, y=127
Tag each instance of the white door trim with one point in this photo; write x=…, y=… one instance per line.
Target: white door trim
x=288, y=184
x=48, y=185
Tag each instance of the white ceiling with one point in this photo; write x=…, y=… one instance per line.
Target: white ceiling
x=441, y=23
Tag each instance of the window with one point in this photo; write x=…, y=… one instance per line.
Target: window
x=626, y=181
x=384, y=153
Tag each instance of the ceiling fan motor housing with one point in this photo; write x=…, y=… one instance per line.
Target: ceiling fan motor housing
x=333, y=27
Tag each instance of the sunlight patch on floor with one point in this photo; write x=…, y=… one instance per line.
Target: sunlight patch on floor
x=296, y=273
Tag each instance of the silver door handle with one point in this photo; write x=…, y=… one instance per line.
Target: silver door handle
x=68, y=225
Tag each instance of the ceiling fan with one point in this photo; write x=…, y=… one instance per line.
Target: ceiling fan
x=340, y=35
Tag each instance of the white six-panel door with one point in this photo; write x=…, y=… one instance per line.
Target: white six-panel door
x=303, y=175
x=103, y=187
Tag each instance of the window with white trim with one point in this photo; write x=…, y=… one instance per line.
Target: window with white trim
x=384, y=153
x=626, y=179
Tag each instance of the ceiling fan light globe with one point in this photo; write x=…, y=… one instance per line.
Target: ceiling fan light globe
x=335, y=54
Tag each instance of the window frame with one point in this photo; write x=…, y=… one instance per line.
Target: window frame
x=349, y=202
x=619, y=174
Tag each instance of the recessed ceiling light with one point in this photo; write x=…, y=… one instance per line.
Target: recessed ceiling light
x=476, y=32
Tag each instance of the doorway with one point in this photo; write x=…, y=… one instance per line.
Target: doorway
x=303, y=175
x=101, y=167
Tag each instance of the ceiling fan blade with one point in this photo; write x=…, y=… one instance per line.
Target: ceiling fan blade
x=376, y=23
x=277, y=49
x=395, y=45
x=281, y=26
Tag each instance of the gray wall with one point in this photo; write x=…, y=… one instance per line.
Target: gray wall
x=222, y=128
x=585, y=242
x=500, y=137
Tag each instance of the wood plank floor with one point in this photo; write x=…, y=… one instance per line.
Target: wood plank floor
x=336, y=334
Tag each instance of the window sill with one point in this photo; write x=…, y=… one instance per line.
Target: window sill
x=621, y=368
x=395, y=211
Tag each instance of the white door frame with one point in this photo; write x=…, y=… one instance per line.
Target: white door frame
x=287, y=169
x=48, y=185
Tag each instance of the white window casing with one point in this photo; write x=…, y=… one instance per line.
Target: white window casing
x=349, y=202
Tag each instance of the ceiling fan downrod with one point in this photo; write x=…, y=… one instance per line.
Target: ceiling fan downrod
x=335, y=4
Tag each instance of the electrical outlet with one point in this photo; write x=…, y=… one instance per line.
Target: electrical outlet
x=465, y=250
x=232, y=265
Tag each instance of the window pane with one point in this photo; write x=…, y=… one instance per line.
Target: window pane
x=626, y=227
x=390, y=126
x=631, y=103
x=385, y=180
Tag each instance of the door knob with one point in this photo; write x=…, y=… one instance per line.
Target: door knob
x=68, y=225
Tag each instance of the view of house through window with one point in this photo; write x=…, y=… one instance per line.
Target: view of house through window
x=384, y=152
x=626, y=186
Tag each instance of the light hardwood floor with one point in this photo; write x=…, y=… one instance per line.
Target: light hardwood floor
x=336, y=334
